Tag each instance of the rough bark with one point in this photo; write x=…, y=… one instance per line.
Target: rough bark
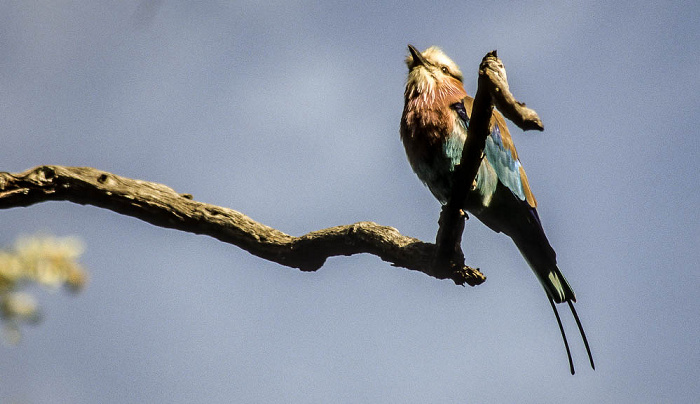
x=162, y=206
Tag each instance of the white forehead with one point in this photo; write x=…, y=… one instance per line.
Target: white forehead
x=436, y=56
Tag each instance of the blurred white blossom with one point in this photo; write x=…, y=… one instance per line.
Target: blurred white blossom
x=45, y=260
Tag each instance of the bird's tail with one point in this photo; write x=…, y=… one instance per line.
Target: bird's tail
x=521, y=223
x=542, y=259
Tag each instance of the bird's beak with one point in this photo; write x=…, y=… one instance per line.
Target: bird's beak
x=418, y=59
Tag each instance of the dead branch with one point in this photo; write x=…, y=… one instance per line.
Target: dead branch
x=162, y=206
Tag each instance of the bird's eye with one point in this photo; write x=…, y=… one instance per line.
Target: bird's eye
x=444, y=69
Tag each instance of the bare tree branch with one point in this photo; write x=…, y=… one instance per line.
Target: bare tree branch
x=162, y=206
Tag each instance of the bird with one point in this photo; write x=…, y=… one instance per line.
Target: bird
x=433, y=130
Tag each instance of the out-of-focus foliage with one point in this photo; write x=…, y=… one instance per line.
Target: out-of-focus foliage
x=43, y=260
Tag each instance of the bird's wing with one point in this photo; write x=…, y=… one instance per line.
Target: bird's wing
x=501, y=156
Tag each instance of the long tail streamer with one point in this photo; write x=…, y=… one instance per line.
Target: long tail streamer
x=583, y=334
x=563, y=335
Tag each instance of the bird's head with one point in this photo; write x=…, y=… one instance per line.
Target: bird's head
x=432, y=75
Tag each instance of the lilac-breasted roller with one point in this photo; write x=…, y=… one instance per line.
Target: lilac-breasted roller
x=433, y=130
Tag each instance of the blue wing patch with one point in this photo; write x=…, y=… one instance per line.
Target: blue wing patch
x=496, y=134
x=461, y=111
x=506, y=166
x=452, y=148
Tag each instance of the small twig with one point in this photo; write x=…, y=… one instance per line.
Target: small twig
x=501, y=97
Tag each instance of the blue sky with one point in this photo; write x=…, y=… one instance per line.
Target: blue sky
x=288, y=111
